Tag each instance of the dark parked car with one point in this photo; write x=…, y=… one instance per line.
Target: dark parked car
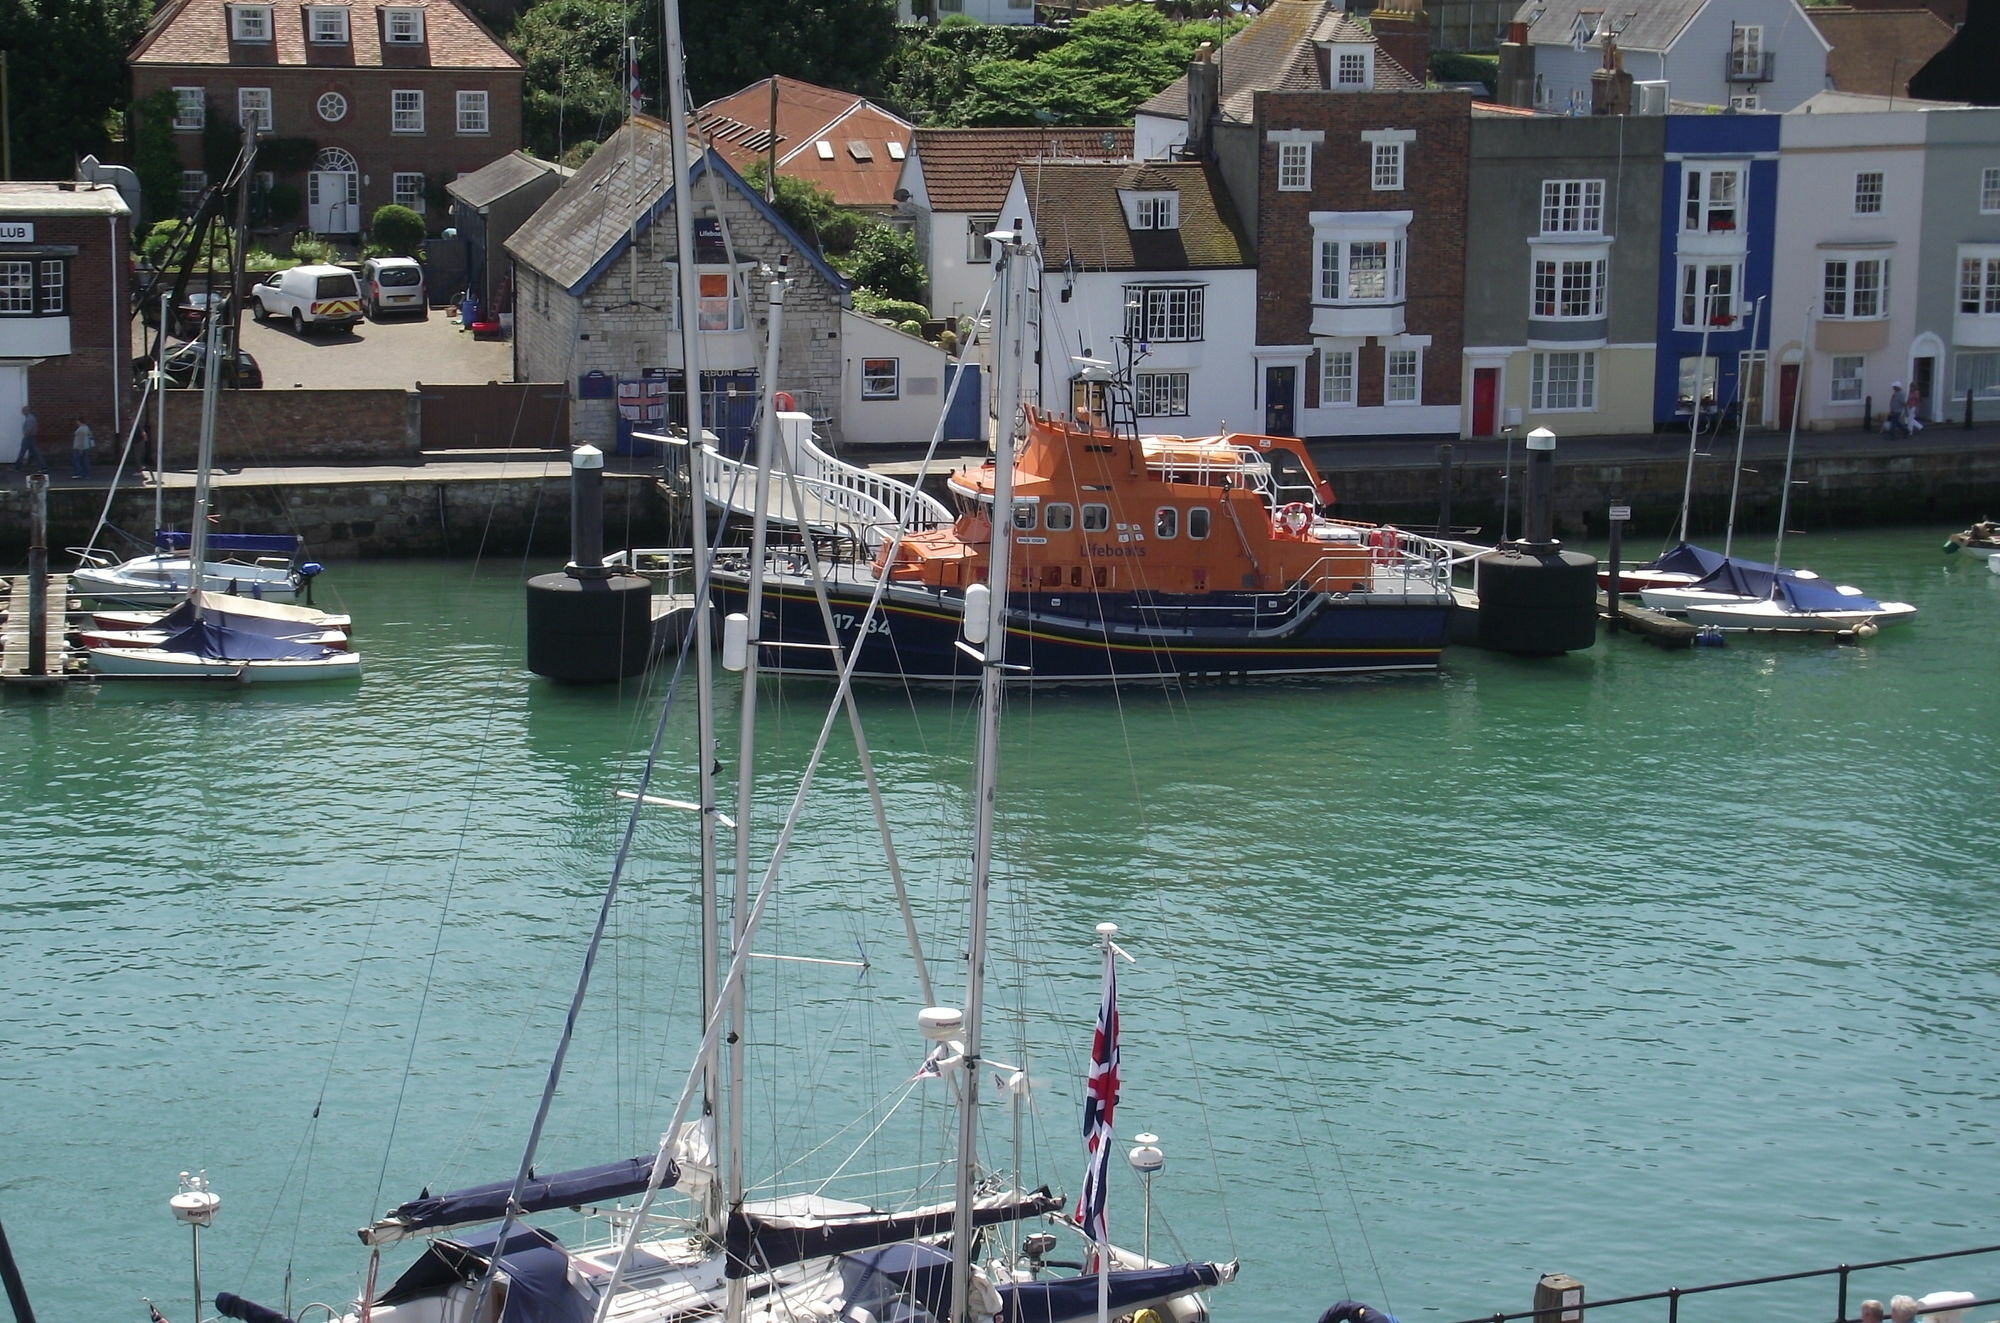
x=184, y=367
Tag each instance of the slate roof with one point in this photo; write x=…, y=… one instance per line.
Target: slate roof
x=196, y=32
x=1875, y=49
x=1077, y=213
x=1648, y=25
x=623, y=189
x=1276, y=52
x=739, y=126
x=971, y=169
x=489, y=183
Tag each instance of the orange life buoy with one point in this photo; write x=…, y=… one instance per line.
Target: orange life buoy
x=1383, y=539
x=1296, y=517
x=783, y=399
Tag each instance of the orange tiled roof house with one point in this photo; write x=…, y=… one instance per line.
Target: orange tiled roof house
x=364, y=104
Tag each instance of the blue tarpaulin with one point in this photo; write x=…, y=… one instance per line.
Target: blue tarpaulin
x=270, y=544
x=1686, y=558
x=214, y=640
x=873, y=1279
x=538, y=1287
x=566, y=1189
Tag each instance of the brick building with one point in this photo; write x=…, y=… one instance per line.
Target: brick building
x=65, y=336
x=362, y=106
x=1361, y=221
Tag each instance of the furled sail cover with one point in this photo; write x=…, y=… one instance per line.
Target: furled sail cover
x=216, y=641
x=230, y=1305
x=1740, y=578
x=533, y=1278
x=1819, y=595
x=1686, y=558
x=485, y=1203
x=759, y=1242
x=874, y=1280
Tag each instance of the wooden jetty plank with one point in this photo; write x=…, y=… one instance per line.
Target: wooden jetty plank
x=1662, y=629
x=14, y=637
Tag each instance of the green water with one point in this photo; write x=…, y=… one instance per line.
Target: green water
x=1654, y=968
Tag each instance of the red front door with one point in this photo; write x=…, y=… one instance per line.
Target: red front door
x=1788, y=391
x=1485, y=401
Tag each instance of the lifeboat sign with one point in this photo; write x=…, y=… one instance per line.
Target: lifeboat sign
x=17, y=231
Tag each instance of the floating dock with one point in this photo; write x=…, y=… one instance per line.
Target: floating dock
x=1661, y=629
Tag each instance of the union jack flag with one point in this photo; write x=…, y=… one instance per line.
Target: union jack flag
x=153, y=1313
x=929, y=1070
x=1100, y=1101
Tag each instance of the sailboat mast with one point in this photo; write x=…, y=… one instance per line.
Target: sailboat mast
x=1694, y=409
x=160, y=412
x=674, y=59
x=1791, y=447
x=1743, y=423
x=992, y=675
x=204, y=458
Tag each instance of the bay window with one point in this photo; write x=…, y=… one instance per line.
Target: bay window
x=1854, y=288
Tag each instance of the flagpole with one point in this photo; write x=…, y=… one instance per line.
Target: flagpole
x=1098, y=1121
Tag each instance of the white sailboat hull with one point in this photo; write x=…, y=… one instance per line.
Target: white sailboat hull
x=1761, y=614
x=158, y=664
x=162, y=580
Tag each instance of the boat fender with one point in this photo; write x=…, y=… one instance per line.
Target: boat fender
x=1296, y=517
x=1710, y=636
x=783, y=399
x=310, y=568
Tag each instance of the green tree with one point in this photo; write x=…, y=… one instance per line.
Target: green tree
x=572, y=72
x=67, y=64
x=156, y=158
x=397, y=229
x=836, y=43
x=931, y=70
x=1113, y=59
x=884, y=259
x=805, y=206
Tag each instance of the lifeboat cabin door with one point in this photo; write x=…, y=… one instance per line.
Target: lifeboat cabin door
x=1281, y=385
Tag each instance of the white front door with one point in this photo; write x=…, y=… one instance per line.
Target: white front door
x=333, y=201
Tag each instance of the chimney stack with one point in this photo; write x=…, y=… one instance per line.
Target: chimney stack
x=1204, y=99
x=1517, y=68
x=1404, y=35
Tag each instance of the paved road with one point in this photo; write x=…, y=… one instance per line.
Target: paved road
x=398, y=352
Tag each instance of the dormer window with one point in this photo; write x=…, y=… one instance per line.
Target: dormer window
x=403, y=25
x=1153, y=211
x=1584, y=30
x=1350, y=69
x=329, y=25
x=250, y=23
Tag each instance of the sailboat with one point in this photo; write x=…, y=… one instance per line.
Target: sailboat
x=207, y=640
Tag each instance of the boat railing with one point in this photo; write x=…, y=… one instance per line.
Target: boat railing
x=1419, y=564
x=835, y=496
x=1880, y=1278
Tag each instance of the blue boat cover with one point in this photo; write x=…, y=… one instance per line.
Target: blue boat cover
x=566, y=1189
x=1819, y=595
x=185, y=614
x=873, y=1279
x=757, y=1242
x=539, y=1289
x=230, y=1305
x=215, y=640
x=1686, y=558
x=1740, y=578
x=274, y=544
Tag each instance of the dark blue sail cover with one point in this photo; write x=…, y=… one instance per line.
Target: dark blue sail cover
x=1737, y=578
x=567, y=1189
x=1686, y=558
x=230, y=1305
x=873, y=1279
x=218, y=640
x=758, y=1242
x=538, y=1290
x=269, y=544
x=1819, y=595
x=185, y=614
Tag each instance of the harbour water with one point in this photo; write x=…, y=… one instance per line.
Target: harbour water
x=1654, y=968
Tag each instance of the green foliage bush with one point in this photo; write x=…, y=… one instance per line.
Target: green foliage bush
x=397, y=230
x=166, y=243
x=869, y=303
x=281, y=203
x=1112, y=59
x=1460, y=67
x=885, y=259
x=156, y=159
x=309, y=248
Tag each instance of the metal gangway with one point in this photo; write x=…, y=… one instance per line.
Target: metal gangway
x=809, y=489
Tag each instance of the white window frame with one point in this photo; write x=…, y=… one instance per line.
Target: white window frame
x=1156, y=211
x=1354, y=63
x=1385, y=172
x=1746, y=50
x=976, y=230
x=1868, y=193
x=406, y=189
x=17, y=287
x=1567, y=289
x=250, y=24
x=880, y=382
x=254, y=101
x=1166, y=314
x=1979, y=280
x=193, y=184
x=1989, y=191
x=406, y=116
x=190, y=109
x=52, y=288
x=1746, y=101
x=1689, y=310
x=328, y=25
x=331, y=106
x=1846, y=386
x=1295, y=171
x=1337, y=379
x=1402, y=387
x=1704, y=200
x=1160, y=394
x=403, y=25
x=1342, y=270
x=1572, y=206
x=1573, y=393
x=1854, y=289
x=1976, y=370
x=474, y=114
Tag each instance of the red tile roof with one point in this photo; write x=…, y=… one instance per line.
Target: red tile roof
x=1874, y=50
x=196, y=32
x=862, y=169
x=971, y=169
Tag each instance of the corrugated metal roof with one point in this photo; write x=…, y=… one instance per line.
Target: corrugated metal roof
x=739, y=125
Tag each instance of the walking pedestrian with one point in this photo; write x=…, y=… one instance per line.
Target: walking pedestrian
x=81, y=442
x=1893, y=422
x=31, y=450
x=1913, y=410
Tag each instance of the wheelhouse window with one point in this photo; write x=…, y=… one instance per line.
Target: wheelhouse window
x=1564, y=382
x=1708, y=295
x=1569, y=290
x=880, y=377
x=1197, y=522
x=250, y=23
x=1025, y=516
x=1713, y=199
x=1059, y=517
x=1868, y=193
x=1855, y=289
x=329, y=25
x=190, y=109
x=406, y=112
x=1096, y=518
x=1160, y=394
x=1336, y=377
x=1164, y=313
x=472, y=118
x=1399, y=380
x=1572, y=206
x=1166, y=522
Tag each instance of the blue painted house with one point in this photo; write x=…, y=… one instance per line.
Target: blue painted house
x=1719, y=198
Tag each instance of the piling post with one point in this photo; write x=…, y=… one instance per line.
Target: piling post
x=1619, y=515
x=1968, y=408
x=1444, y=491
x=38, y=574
x=1558, y=1299
x=1868, y=413
x=1538, y=507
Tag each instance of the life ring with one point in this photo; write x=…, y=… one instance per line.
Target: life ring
x=1296, y=517
x=783, y=399
x=1383, y=538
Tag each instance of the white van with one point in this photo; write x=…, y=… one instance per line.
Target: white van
x=393, y=284
x=308, y=296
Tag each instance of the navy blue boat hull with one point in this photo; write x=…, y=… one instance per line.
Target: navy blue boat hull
x=1123, y=637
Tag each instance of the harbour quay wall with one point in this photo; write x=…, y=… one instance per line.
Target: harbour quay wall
x=295, y=427
x=359, y=516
